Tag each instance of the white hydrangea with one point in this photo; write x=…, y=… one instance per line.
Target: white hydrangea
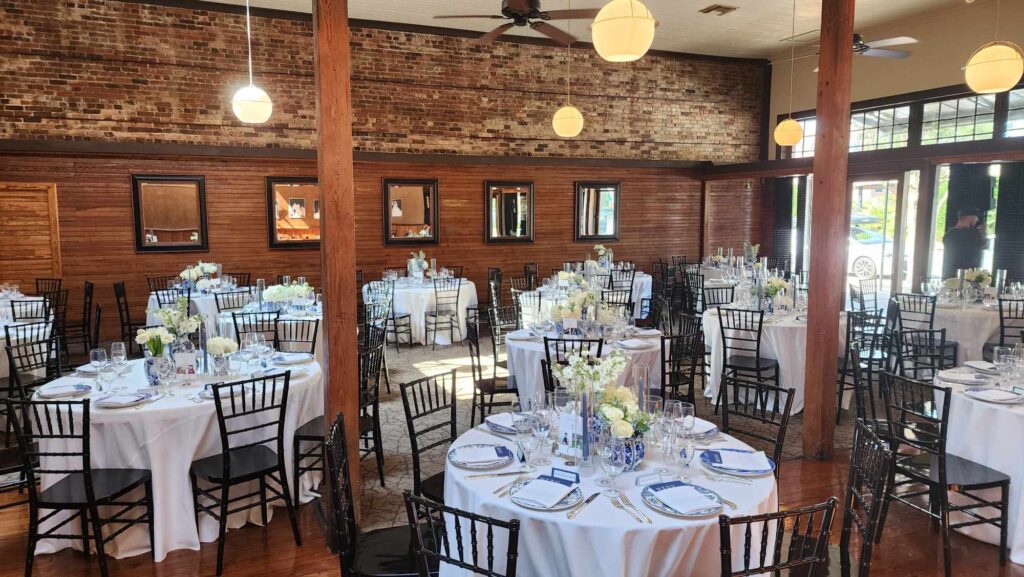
x=221, y=346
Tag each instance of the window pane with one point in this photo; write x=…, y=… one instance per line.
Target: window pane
x=903, y=115
x=947, y=109
x=931, y=111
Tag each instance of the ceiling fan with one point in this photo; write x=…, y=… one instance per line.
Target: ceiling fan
x=528, y=13
x=878, y=48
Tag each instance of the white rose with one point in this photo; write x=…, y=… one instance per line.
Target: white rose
x=611, y=413
x=624, y=395
x=622, y=429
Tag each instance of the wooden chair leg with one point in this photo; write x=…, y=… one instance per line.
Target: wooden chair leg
x=1004, y=522
x=150, y=515
x=947, y=554
x=296, y=461
x=97, y=532
x=33, y=536
x=378, y=450
x=289, y=505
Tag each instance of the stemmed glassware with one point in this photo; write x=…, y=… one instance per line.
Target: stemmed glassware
x=97, y=358
x=119, y=356
x=247, y=351
x=542, y=417
x=1002, y=358
x=613, y=462
x=526, y=438
x=684, y=446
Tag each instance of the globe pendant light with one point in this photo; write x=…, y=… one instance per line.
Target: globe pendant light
x=568, y=120
x=623, y=30
x=995, y=67
x=789, y=132
x=251, y=104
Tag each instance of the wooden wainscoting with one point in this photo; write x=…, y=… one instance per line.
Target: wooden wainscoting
x=29, y=233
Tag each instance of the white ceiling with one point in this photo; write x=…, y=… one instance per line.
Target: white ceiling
x=754, y=30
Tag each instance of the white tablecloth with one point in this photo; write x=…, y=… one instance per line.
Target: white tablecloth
x=641, y=290
x=602, y=540
x=5, y=321
x=165, y=437
x=972, y=327
x=227, y=329
x=524, y=357
x=202, y=304
x=416, y=299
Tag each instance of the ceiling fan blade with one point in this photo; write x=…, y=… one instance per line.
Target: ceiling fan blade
x=488, y=16
x=885, y=53
x=589, y=14
x=554, y=33
x=899, y=40
x=492, y=35
x=519, y=5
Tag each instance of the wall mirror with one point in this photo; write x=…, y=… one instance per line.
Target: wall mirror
x=293, y=212
x=170, y=213
x=410, y=211
x=508, y=211
x=597, y=211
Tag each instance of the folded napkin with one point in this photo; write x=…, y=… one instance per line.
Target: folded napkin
x=962, y=377
x=291, y=358
x=647, y=333
x=982, y=366
x=635, y=344
x=684, y=499
x=995, y=395
x=545, y=492
x=744, y=461
x=479, y=455
x=54, y=390
x=519, y=335
x=501, y=420
x=702, y=427
x=116, y=401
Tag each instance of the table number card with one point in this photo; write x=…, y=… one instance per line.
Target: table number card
x=185, y=363
x=569, y=438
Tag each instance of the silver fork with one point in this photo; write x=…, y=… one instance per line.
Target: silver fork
x=618, y=505
x=628, y=503
x=724, y=478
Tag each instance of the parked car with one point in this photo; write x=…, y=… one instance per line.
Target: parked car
x=865, y=252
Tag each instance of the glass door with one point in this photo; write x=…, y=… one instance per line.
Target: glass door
x=874, y=210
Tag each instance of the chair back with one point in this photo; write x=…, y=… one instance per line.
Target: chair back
x=920, y=352
x=658, y=269
x=870, y=460
x=87, y=290
x=528, y=306
x=53, y=439
x=241, y=278
x=47, y=285
x=757, y=411
x=787, y=540
x=433, y=525
x=264, y=323
x=30, y=310
x=250, y=413
x=166, y=298
x=519, y=284
x=717, y=296
x=297, y=335
x=473, y=340
x=868, y=288
x=430, y=410
x=233, y=300
x=557, y=351
x=857, y=297
x=618, y=297
x=778, y=262
x=679, y=357
x=454, y=270
x=863, y=398
x=741, y=333
x=342, y=529
x=602, y=281
x=503, y=319
x=57, y=303
x=1011, y=322
x=28, y=332
x=916, y=311
x=622, y=280
x=918, y=415
x=162, y=282
x=95, y=329
x=124, y=314
x=446, y=295
x=26, y=359
x=694, y=286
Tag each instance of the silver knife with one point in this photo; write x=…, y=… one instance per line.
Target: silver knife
x=493, y=475
x=630, y=504
x=151, y=401
x=572, y=514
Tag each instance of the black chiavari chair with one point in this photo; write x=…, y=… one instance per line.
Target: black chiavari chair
x=97, y=316
x=680, y=355
x=495, y=280
x=250, y=417
x=717, y=296
x=659, y=268
x=57, y=305
x=518, y=284
x=865, y=333
x=371, y=438
x=601, y=281
x=80, y=330
x=870, y=460
x=857, y=301
x=741, y=346
x=128, y=327
x=528, y=308
x=30, y=310
x=531, y=272
x=502, y=319
x=241, y=278
x=454, y=270
x=261, y=323
x=919, y=353
x=162, y=282
x=796, y=539
x=917, y=312
x=33, y=359
x=754, y=409
x=693, y=284
x=622, y=280
x=384, y=552
x=918, y=415
x=399, y=325
x=168, y=298
x=557, y=351
x=778, y=262
x=484, y=389
x=297, y=335
x=430, y=415
x=551, y=382
x=1011, y=327
x=47, y=285
x=868, y=288
x=433, y=542
x=232, y=300
x=445, y=314
x=396, y=270
x=54, y=440
x=679, y=261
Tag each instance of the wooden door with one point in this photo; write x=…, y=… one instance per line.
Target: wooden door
x=29, y=233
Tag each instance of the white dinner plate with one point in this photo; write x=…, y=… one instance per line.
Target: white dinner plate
x=122, y=400
x=502, y=456
x=570, y=500
x=1012, y=396
x=63, y=390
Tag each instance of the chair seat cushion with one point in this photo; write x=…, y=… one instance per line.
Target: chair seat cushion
x=106, y=484
x=987, y=350
x=246, y=463
x=433, y=487
x=959, y=471
x=388, y=553
x=311, y=430
x=745, y=363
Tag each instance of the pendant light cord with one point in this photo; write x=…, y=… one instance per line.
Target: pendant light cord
x=997, y=20
x=568, y=59
x=792, y=59
x=248, y=38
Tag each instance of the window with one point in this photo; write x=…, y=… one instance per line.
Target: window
x=1015, y=116
x=958, y=119
x=880, y=129
x=805, y=148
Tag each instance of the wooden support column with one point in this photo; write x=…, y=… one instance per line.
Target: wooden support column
x=828, y=225
x=337, y=219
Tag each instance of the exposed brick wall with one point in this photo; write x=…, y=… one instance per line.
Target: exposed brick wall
x=110, y=70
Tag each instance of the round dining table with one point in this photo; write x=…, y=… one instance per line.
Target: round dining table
x=525, y=352
x=642, y=283
x=972, y=326
x=415, y=298
x=165, y=436
x=603, y=541
x=226, y=328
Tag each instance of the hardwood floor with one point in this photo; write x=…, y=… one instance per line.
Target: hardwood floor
x=908, y=549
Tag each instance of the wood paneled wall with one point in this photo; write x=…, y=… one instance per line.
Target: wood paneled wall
x=739, y=210
x=29, y=234
x=659, y=217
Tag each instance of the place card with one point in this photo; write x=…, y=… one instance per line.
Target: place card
x=570, y=438
x=185, y=363
x=652, y=478
x=570, y=476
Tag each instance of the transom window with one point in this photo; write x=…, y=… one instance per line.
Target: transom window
x=1015, y=115
x=959, y=119
x=805, y=148
x=880, y=129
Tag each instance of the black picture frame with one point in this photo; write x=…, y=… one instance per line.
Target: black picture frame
x=580, y=187
x=273, y=241
x=137, y=180
x=528, y=238
x=432, y=217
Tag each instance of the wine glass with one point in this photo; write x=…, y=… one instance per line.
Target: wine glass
x=542, y=418
x=264, y=349
x=164, y=373
x=665, y=431
x=613, y=463
x=247, y=351
x=119, y=356
x=97, y=358
x=526, y=440
x=105, y=378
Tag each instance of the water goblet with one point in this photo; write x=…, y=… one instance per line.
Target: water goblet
x=97, y=358
x=119, y=356
x=105, y=378
x=1002, y=358
x=613, y=463
x=542, y=431
x=665, y=431
x=247, y=351
x=526, y=441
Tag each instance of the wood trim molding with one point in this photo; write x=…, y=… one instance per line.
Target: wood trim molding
x=57, y=262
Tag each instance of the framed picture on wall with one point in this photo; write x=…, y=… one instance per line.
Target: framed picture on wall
x=170, y=213
x=410, y=211
x=290, y=222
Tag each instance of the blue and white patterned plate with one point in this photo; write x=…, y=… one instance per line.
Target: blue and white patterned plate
x=650, y=497
x=502, y=456
x=712, y=460
x=55, y=391
x=1012, y=396
x=570, y=500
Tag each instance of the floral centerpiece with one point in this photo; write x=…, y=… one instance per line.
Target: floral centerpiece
x=220, y=348
x=593, y=267
x=600, y=250
x=604, y=254
x=156, y=342
x=771, y=287
x=198, y=271
x=570, y=313
x=750, y=252
x=177, y=320
x=979, y=277
x=284, y=294
x=417, y=264
x=572, y=279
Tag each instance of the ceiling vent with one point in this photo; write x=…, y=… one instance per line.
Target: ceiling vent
x=718, y=9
